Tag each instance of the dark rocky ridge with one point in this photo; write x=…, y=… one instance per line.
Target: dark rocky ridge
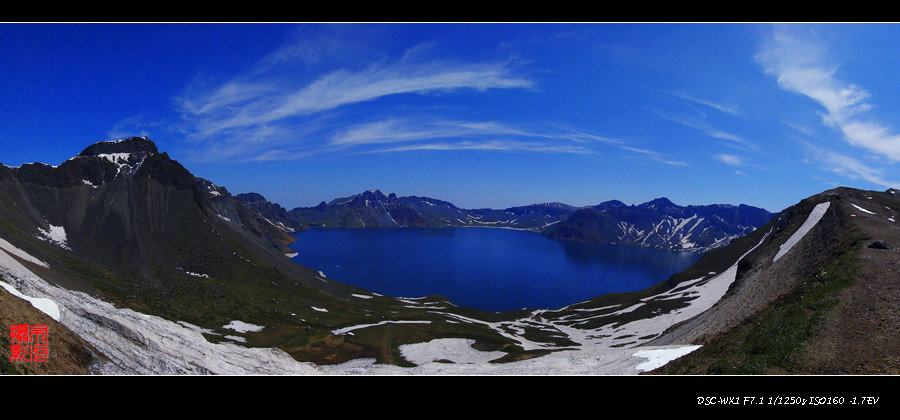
x=116, y=194
x=658, y=223
x=136, y=145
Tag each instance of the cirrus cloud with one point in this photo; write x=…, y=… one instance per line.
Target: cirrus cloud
x=800, y=64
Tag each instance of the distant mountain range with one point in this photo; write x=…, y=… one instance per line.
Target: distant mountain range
x=661, y=224
x=658, y=223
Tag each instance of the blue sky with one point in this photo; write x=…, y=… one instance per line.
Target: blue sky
x=482, y=115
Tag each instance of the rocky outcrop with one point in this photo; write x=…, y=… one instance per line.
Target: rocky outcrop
x=661, y=224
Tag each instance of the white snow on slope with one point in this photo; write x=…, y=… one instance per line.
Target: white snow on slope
x=11, y=274
x=356, y=327
x=44, y=305
x=456, y=350
x=56, y=235
x=140, y=344
x=598, y=361
x=814, y=216
x=119, y=159
x=862, y=209
x=659, y=357
x=243, y=327
x=10, y=248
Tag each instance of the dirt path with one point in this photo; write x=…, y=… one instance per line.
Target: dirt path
x=860, y=336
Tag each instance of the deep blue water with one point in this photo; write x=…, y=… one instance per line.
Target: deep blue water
x=485, y=268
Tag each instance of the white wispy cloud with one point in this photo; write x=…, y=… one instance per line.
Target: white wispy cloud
x=728, y=109
x=656, y=156
x=850, y=167
x=271, y=108
x=705, y=127
x=396, y=130
x=490, y=145
x=731, y=160
x=256, y=100
x=799, y=62
x=477, y=135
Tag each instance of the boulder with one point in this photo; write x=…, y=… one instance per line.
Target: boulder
x=880, y=245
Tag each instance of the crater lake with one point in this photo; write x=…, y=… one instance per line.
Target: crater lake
x=486, y=268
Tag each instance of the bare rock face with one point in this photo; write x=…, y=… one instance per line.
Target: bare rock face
x=880, y=245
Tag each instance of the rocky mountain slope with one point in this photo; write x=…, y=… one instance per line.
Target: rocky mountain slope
x=273, y=213
x=827, y=306
x=658, y=223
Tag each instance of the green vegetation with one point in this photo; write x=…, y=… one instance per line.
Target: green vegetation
x=6, y=366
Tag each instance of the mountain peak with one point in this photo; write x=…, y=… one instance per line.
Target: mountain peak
x=374, y=195
x=250, y=197
x=660, y=202
x=611, y=204
x=126, y=145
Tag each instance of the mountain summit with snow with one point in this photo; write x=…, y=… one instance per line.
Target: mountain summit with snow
x=660, y=223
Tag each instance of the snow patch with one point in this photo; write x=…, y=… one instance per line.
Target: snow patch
x=14, y=272
x=242, y=327
x=356, y=327
x=44, y=305
x=660, y=356
x=10, y=248
x=319, y=309
x=292, y=255
x=861, y=209
x=56, y=235
x=118, y=159
x=456, y=350
x=814, y=216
